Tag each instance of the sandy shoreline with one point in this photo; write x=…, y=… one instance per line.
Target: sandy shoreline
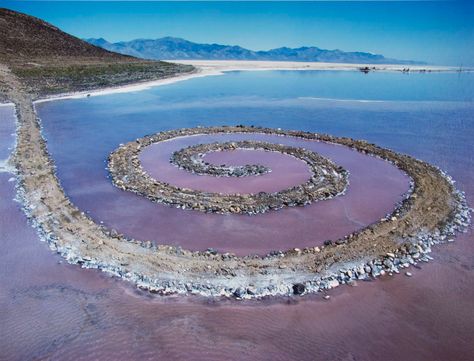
x=219, y=67
x=127, y=88
x=234, y=65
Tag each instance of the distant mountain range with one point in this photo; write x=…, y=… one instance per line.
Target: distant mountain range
x=170, y=48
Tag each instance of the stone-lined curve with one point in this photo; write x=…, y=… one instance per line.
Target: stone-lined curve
x=191, y=159
x=327, y=179
x=430, y=214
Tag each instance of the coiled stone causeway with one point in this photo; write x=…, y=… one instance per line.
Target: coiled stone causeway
x=326, y=181
x=190, y=159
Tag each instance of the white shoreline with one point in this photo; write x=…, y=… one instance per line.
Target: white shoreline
x=219, y=67
x=235, y=65
x=134, y=87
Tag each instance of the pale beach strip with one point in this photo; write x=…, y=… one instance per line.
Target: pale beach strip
x=219, y=67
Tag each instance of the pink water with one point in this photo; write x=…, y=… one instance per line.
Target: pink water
x=54, y=311
x=286, y=171
x=50, y=310
x=375, y=187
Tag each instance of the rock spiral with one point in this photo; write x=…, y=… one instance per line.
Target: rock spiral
x=327, y=179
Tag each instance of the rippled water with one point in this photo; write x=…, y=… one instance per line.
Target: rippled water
x=51, y=310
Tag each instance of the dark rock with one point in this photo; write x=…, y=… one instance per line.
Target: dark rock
x=239, y=292
x=299, y=288
x=212, y=251
x=252, y=290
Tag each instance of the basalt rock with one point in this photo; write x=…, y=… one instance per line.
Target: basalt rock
x=299, y=288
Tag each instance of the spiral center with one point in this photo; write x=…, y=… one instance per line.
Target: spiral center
x=191, y=159
x=325, y=181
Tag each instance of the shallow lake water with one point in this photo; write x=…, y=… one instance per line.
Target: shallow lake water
x=375, y=186
x=51, y=310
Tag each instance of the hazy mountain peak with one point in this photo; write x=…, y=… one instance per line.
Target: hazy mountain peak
x=177, y=48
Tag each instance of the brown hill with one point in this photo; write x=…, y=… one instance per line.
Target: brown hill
x=50, y=61
x=26, y=37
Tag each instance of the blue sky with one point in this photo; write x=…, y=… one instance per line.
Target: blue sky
x=436, y=32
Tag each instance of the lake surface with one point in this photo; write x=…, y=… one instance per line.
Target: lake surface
x=51, y=310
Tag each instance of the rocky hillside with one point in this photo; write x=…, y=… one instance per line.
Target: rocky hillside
x=51, y=61
x=175, y=48
x=23, y=37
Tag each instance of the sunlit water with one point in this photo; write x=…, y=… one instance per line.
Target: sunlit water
x=50, y=310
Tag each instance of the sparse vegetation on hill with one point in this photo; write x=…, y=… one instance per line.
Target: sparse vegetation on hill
x=57, y=79
x=50, y=61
